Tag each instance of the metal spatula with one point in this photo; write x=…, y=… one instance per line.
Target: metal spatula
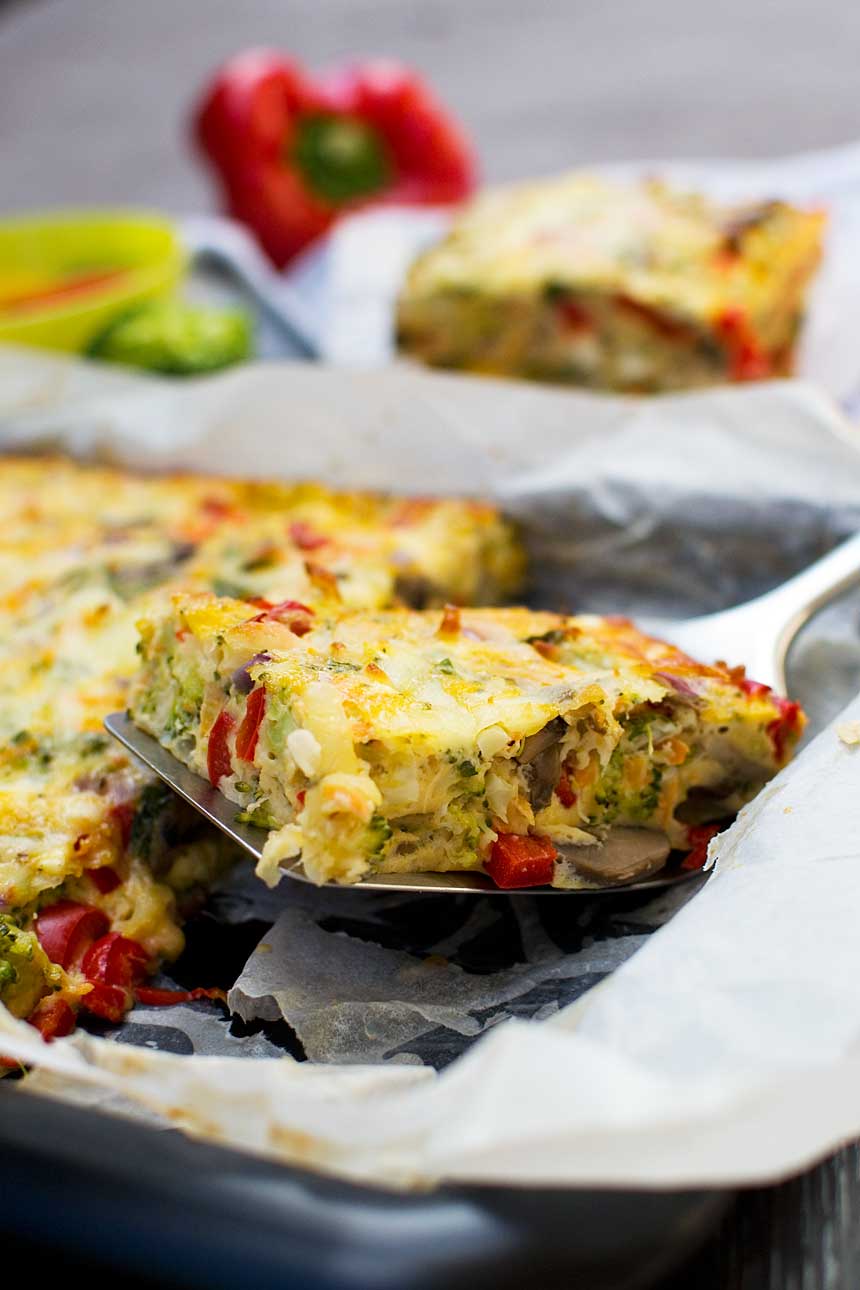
x=758, y=634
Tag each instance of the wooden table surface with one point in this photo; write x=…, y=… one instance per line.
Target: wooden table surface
x=92, y=97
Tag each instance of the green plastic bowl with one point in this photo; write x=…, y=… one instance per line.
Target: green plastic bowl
x=140, y=256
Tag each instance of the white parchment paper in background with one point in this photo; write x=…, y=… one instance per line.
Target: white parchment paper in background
x=726, y=1048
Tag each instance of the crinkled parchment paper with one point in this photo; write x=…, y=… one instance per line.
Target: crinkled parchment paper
x=362, y=977
x=719, y=1042
x=726, y=1051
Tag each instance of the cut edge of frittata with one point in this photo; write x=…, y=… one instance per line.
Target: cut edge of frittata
x=518, y=743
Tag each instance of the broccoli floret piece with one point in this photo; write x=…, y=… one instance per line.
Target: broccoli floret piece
x=176, y=338
x=650, y=797
x=379, y=831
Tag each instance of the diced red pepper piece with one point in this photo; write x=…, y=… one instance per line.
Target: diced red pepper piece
x=412, y=510
x=727, y=257
x=521, y=860
x=783, y=728
x=249, y=729
x=76, y=936
x=546, y=649
x=450, y=623
x=753, y=687
x=219, y=508
x=748, y=361
x=292, y=613
x=218, y=753
x=212, y=512
x=574, y=316
x=564, y=791
x=151, y=997
x=306, y=537
x=115, y=960
x=110, y=1002
x=53, y=1017
x=324, y=580
x=699, y=837
x=105, y=879
x=113, y=965
x=66, y=930
x=123, y=816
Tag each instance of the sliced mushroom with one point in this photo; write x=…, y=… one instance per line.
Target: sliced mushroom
x=627, y=855
x=541, y=762
x=537, y=743
x=416, y=590
x=706, y=805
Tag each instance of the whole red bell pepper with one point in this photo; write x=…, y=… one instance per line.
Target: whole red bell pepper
x=293, y=152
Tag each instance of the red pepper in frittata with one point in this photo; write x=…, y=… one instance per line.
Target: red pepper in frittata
x=521, y=860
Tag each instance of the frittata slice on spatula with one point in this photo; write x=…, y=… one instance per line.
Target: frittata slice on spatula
x=539, y=749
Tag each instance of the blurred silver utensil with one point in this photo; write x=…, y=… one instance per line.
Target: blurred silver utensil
x=226, y=247
x=759, y=633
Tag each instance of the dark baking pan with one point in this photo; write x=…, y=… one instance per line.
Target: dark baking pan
x=87, y=1192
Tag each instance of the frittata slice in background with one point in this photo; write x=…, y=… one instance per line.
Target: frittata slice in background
x=628, y=287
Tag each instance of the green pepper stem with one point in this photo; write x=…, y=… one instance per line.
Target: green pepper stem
x=341, y=158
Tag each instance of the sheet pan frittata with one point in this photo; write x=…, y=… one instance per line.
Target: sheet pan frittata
x=98, y=863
